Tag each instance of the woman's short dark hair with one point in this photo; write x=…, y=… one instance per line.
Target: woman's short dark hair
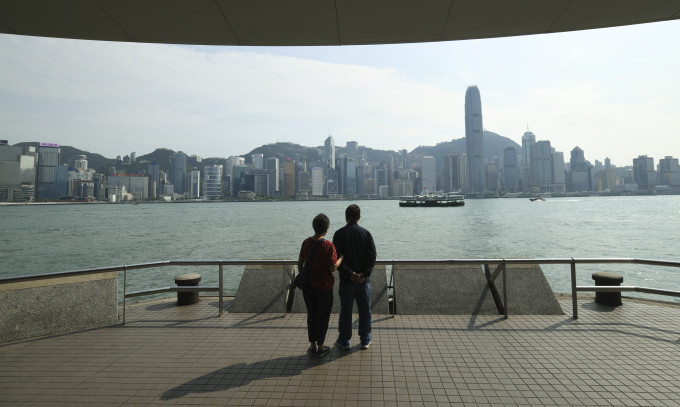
x=321, y=223
x=352, y=213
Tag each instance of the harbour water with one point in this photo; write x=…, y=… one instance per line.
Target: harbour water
x=50, y=238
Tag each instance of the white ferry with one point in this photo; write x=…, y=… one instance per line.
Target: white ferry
x=432, y=200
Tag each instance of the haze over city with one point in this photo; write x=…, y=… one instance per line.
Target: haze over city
x=613, y=92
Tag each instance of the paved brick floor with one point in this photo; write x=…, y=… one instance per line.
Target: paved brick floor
x=628, y=356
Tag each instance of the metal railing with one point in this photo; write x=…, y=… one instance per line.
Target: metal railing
x=501, y=268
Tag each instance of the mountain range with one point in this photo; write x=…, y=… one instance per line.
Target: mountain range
x=494, y=145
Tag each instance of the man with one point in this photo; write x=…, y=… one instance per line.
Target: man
x=356, y=245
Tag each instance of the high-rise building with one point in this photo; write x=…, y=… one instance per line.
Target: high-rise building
x=289, y=179
x=510, y=168
x=258, y=161
x=17, y=173
x=212, y=181
x=669, y=171
x=351, y=168
x=194, y=184
x=429, y=175
x=272, y=165
x=579, y=178
x=330, y=173
x=643, y=172
x=541, y=163
x=154, y=180
x=178, y=171
x=492, y=179
x=528, y=139
x=474, y=139
x=317, y=181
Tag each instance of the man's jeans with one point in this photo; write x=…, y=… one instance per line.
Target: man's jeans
x=362, y=294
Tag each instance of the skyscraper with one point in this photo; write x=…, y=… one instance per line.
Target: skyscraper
x=429, y=175
x=331, y=176
x=528, y=139
x=351, y=177
x=178, y=171
x=643, y=172
x=474, y=141
x=510, y=168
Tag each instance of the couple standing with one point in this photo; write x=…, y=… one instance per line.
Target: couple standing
x=352, y=252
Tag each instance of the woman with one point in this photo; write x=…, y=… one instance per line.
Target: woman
x=318, y=293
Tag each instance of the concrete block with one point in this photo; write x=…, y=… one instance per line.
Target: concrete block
x=441, y=290
x=528, y=291
x=56, y=305
x=261, y=290
x=379, y=296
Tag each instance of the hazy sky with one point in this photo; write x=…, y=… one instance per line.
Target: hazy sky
x=613, y=92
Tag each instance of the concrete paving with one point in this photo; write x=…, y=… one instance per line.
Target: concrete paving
x=625, y=356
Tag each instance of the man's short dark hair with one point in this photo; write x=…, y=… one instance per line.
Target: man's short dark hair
x=321, y=223
x=352, y=213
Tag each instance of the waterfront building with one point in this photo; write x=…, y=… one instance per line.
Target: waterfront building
x=330, y=173
x=257, y=181
x=429, y=175
x=49, y=155
x=525, y=176
x=352, y=150
x=238, y=178
x=558, y=172
x=17, y=173
x=272, y=165
x=605, y=181
x=289, y=179
x=178, y=170
x=258, y=161
x=541, y=163
x=317, y=181
x=212, y=181
x=669, y=172
x=643, y=172
x=510, y=169
x=448, y=173
x=135, y=185
x=474, y=139
x=232, y=162
x=304, y=180
x=154, y=174
x=579, y=177
x=194, y=184
x=491, y=177
x=402, y=187
x=528, y=140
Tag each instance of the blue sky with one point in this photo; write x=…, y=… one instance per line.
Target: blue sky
x=613, y=92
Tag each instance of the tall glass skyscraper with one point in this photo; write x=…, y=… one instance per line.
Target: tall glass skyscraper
x=474, y=141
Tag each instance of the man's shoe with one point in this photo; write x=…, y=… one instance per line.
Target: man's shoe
x=343, y=346
x=323, y=351
x=366, y=345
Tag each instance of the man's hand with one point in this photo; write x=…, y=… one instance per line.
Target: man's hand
x=357, y=278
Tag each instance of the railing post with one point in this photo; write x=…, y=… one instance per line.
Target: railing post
x=285, y=288
x=124, y=290
x=221, y=301
x=394, y=301
x=574, y=304
x=505, y=289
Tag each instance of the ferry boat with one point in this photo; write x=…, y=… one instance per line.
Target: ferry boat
x=432, y=200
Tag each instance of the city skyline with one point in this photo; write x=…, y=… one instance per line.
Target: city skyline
x=611, y=92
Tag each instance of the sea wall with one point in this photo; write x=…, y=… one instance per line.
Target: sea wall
x=57, y=304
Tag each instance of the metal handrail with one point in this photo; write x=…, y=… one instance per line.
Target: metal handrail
x=285, y=262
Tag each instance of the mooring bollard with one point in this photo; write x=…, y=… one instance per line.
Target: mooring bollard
x=189, y=279
x=608, y=279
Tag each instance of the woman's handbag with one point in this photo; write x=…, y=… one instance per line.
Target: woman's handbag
x=301, y=278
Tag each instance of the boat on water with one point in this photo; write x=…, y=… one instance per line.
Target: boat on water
x=537, y=198
x=432, y=200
